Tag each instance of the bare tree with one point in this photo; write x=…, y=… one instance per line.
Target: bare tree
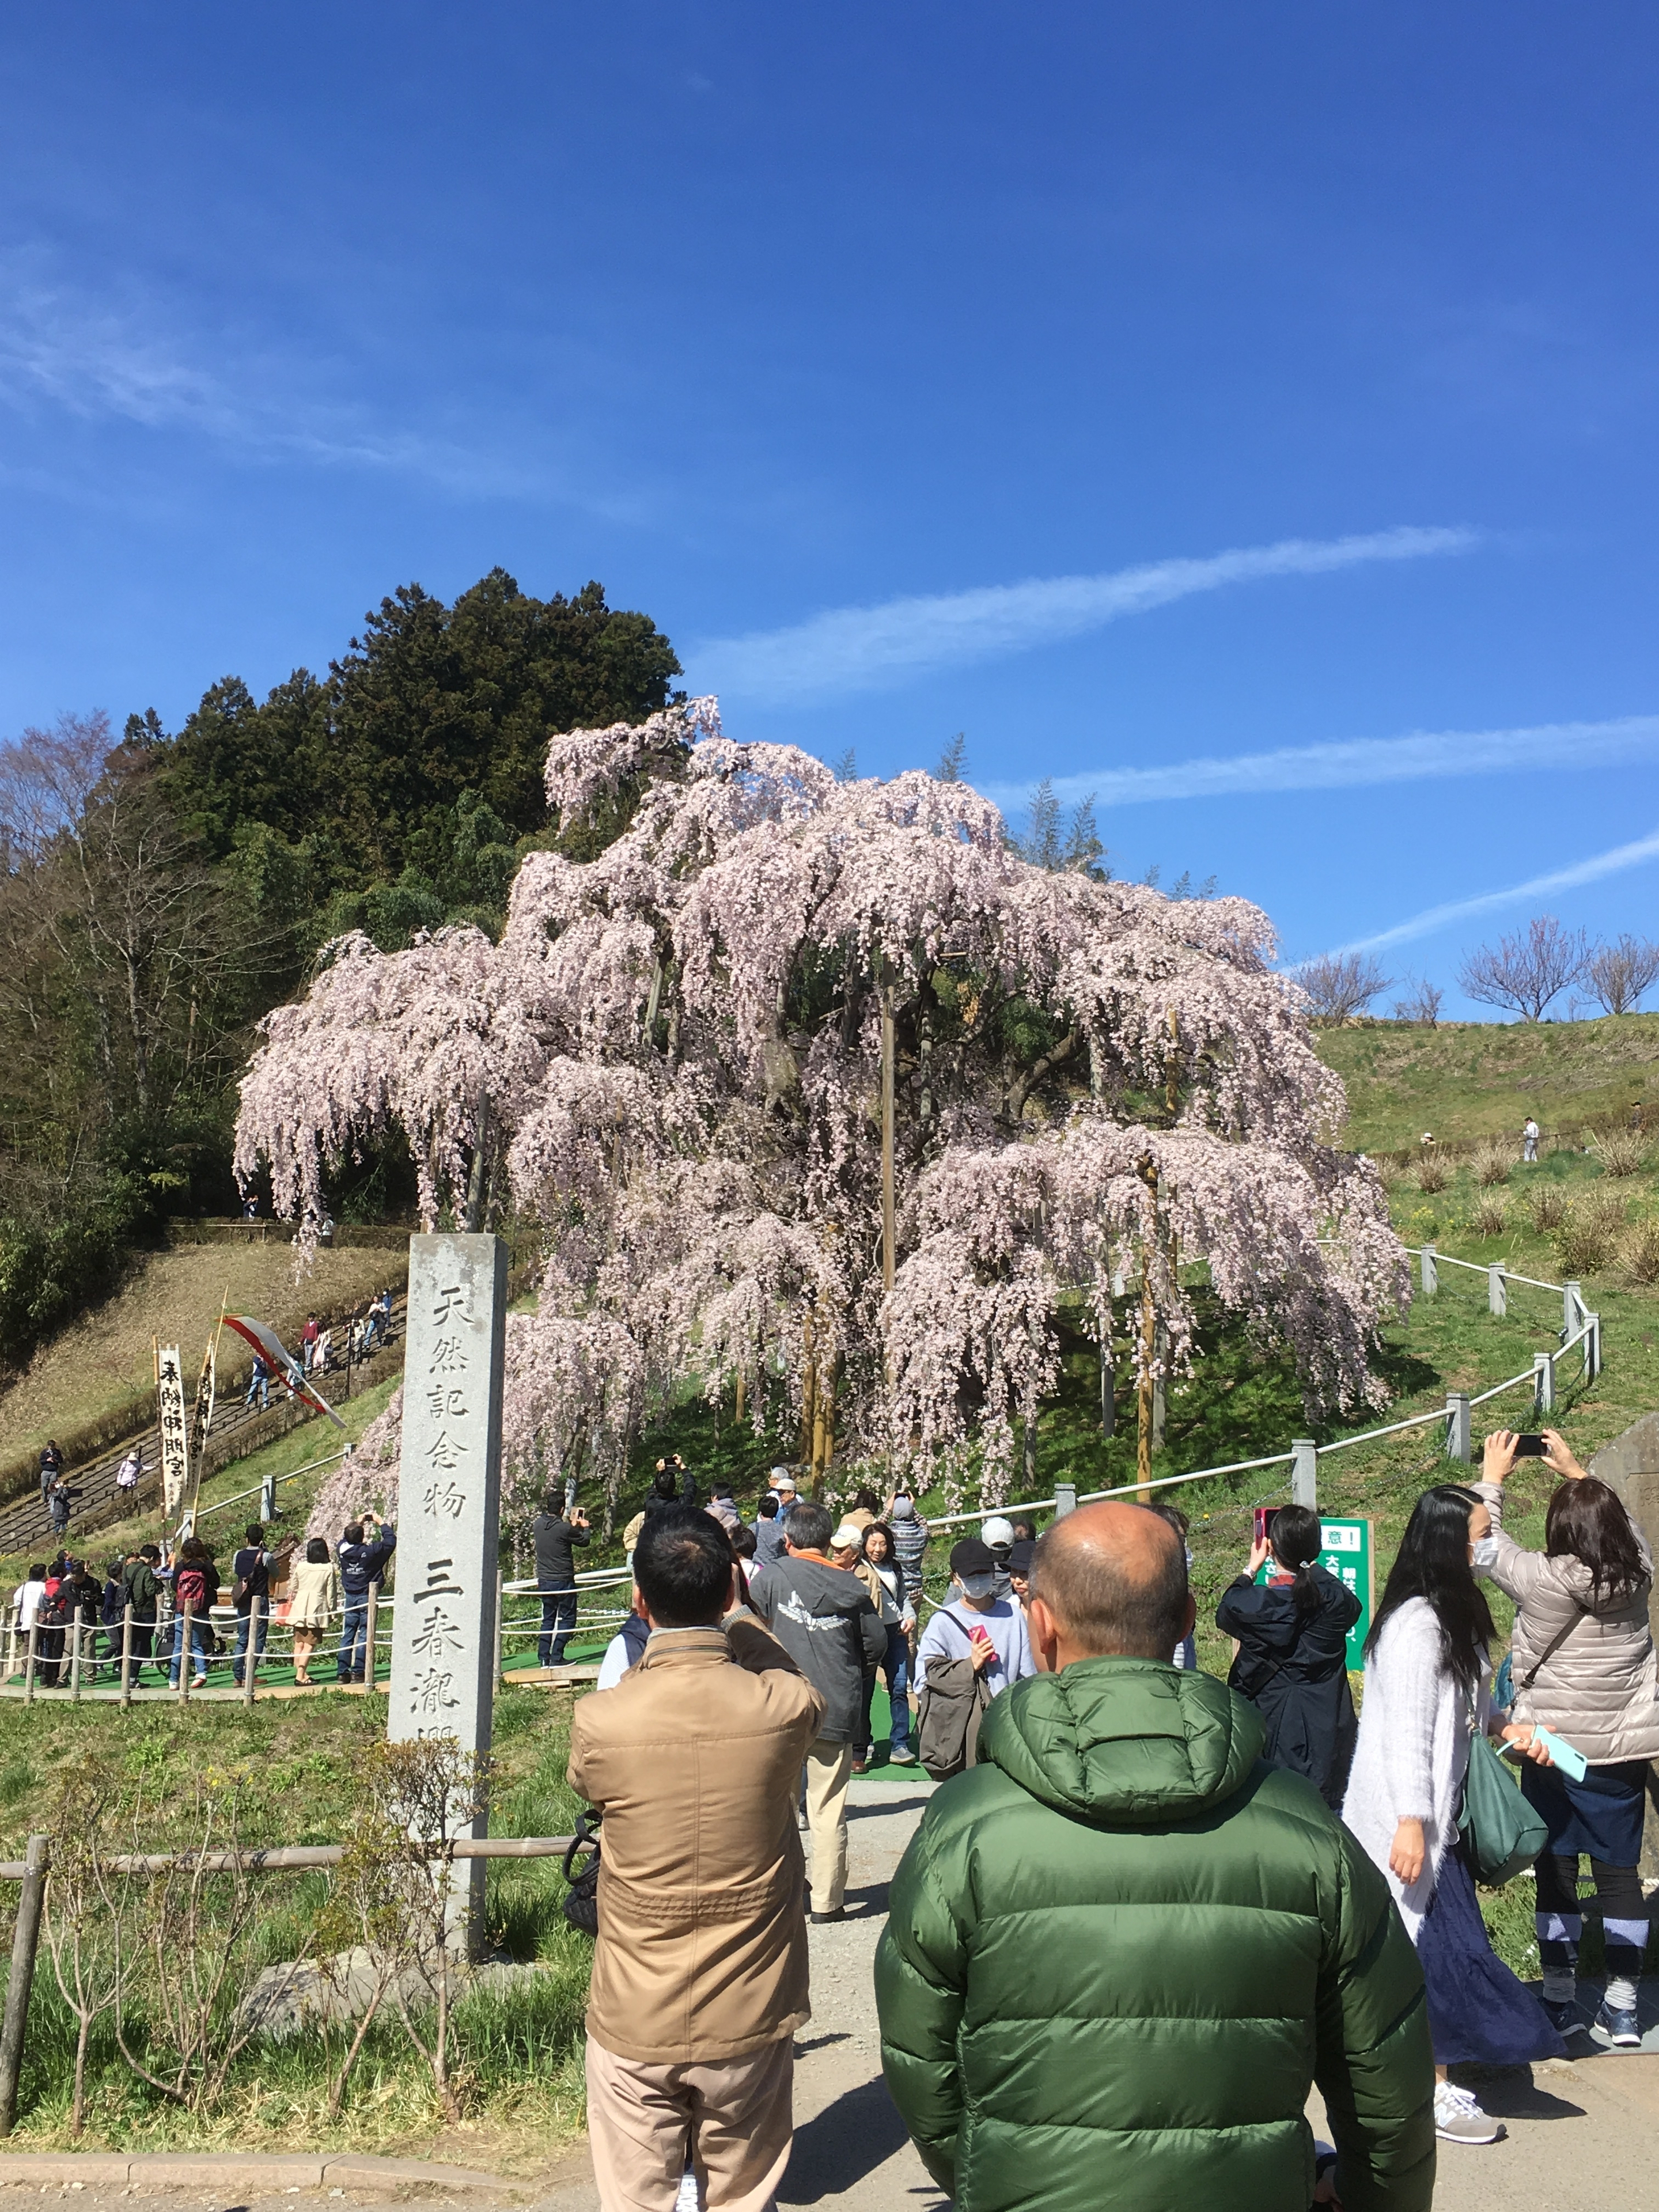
x=1526, y=973
x=1618, y=974
x=1421, y=1003
x=1341, y=985
x=138, y=924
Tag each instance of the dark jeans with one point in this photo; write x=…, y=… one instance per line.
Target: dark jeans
x=243, y=1620
x=558, y=1625
x=143, y=1639
x=354, y=1641
x=896, y=1668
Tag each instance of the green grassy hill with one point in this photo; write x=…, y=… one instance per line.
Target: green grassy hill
x=1476, y=1078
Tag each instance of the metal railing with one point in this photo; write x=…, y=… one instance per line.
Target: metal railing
x=1580, y=1327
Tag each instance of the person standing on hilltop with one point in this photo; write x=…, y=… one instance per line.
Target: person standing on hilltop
x=1529, y=1139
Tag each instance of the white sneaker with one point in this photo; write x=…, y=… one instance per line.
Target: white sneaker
x=1459, y=2119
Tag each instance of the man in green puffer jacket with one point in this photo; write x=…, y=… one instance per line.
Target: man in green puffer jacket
x=1121, y=1948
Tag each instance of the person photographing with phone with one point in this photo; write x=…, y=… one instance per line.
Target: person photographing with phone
x=1291, y=1662
x=1583, y=1669
x=557, y=1530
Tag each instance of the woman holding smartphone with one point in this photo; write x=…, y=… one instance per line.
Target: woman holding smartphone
x=1583, y=1667
x=1427, y=1689
x=1292, y=1657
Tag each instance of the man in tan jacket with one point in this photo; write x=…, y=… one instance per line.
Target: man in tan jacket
x=700, y=1972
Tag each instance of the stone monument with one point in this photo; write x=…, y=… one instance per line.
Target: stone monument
x=443, y=1635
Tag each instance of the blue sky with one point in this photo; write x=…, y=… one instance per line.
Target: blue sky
x=1246, y=413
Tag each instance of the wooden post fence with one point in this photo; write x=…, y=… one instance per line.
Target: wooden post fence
x=25, y=1942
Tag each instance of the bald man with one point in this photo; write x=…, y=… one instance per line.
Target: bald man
x=1122, y=1947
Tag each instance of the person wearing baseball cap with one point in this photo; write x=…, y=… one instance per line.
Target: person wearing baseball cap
x=971, y=1650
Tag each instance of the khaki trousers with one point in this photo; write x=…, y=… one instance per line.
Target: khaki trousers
x=735, y=2119
x=829, y=1770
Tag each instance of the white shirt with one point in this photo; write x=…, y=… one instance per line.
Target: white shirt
x=614, y=1665
x=26, y=1603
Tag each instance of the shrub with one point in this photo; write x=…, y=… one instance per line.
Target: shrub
x=1490, y=1217
x=1432, y=1174
x=1587, y=1239
x=1621, y=1151
x=1640, y=1252
x=1493, y=1162
x=1549, y=1209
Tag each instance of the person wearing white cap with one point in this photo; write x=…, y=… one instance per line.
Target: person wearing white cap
x=998, y=1532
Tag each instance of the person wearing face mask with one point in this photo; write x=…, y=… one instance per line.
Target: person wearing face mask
x=975, y=1647
x=1584, y=1666
x=1428, y=1688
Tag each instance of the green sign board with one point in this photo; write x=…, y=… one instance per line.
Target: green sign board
x=1347, y=1555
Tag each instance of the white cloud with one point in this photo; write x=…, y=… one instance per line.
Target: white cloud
x=860, y=649
x=1611, y=863
x=117, y=358
x=1422, y=754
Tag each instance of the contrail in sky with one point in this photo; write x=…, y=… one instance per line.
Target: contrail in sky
x=1422, y=754
x=862, y=648
x=1559, y=880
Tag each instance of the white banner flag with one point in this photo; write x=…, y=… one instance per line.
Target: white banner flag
x=170, y=1415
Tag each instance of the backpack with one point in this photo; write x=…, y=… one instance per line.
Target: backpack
x=52, y=1611
x=189, y=1588
x=581, y=1906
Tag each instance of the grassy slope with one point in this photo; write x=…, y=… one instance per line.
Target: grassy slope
x=1474, y=1079
x=310, y=1441
x=97, y=1363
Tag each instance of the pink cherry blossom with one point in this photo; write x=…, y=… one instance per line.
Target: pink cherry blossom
x=672, y=1063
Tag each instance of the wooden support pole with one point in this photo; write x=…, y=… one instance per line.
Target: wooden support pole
x=126, y=1653
x=186, y=1653
x=25, y=1943
x=77, y=1630
x=31, y=1661
x=251, y=1650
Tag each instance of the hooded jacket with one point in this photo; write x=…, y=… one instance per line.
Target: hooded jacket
x=1595, y=1681
x=1120, y=1949
x=1293, y=1667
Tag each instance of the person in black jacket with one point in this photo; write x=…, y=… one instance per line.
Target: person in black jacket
x=251, y=1573
x=142, y=1590
x=556, y=1534
x=365, y=1547
x=1292, y=1659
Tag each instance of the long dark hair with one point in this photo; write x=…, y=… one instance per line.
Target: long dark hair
x=1297, y=1542
x=1587, y=1520
x=1433, y=1563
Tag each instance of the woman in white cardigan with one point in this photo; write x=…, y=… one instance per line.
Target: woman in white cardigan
x=1428, y=1688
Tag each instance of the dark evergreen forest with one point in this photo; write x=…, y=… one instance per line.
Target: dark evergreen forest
x=159, y=892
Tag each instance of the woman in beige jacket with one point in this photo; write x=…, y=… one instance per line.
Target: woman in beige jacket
x=1583, y=1666
x=311, y=1603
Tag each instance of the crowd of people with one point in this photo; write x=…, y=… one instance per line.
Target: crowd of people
x=1284, y=1886
x=172, y=1590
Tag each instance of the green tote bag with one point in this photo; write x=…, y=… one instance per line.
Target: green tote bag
x=1500, y=1830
